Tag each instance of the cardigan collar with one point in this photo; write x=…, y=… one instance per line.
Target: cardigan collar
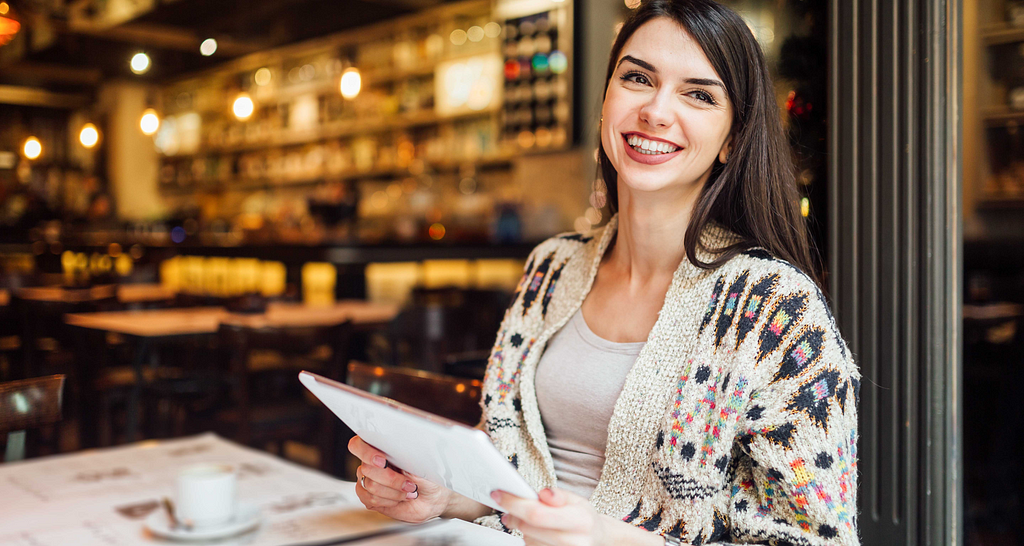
x=577, y=279
x=582, y=269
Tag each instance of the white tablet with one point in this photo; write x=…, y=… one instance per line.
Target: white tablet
x=443, y=451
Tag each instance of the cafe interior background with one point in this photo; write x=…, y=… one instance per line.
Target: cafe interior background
x=271, y=160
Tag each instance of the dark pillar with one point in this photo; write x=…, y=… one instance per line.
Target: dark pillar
x=895, y=260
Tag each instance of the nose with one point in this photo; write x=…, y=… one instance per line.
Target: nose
x=655, y=112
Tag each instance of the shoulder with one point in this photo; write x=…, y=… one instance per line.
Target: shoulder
x=785, y=300
x=760, y=262
x=565, y=244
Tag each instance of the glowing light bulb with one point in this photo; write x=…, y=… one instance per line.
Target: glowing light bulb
x=492, y=30
x=243, y=107
x=150, y=122
x=140, y=63
x=208, y=47
x=262, y=76
x=458, y=36
x=351, y=83
x=4, y=8
x=89, y=135
x=33, y=148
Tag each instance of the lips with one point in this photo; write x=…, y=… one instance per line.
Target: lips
x=645, y=156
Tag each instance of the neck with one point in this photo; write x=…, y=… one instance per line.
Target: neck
x=649, y=240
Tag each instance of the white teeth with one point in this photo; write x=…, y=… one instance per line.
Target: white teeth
x=649, y=147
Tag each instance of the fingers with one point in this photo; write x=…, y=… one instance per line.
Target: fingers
x=554, y=497
x=367, y=453
x=371, y=501
x=533, y=534
x=384, y=482
x=535, y=512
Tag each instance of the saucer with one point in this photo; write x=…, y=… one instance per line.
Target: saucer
x=247, y=518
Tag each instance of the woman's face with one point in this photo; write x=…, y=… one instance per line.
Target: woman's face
x=666, y=114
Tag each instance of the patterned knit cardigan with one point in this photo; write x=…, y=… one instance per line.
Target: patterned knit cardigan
x=736, y=424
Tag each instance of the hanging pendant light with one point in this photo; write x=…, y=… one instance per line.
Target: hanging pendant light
x=89, y=136
x=150, y=121
x=8, y=27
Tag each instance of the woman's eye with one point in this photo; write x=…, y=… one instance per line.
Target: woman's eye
x=636, y=77
x=703, y=96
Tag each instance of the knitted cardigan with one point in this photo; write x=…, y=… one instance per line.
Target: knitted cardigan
x=736, y=424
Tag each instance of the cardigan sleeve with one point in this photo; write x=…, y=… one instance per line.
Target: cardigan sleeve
x=794, y=470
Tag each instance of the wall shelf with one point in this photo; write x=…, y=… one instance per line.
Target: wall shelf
x=339, y=130
x=999, y=116
x=1001, y=34
x=1001, y=204
x=251, y=184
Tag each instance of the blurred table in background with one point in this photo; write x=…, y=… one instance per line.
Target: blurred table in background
x=146, y=328
x=205, y=320
x=103, y=497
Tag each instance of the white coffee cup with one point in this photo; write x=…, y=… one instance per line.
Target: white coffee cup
x=206, y=494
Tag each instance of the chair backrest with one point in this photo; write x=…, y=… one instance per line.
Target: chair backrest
x=30, y=403
x=239, y=340
x=440, y=323
x=452, y=397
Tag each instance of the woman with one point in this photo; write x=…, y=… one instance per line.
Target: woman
x=677, y=367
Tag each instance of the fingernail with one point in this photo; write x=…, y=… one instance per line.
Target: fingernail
x=504, y=519
x=413, y=495
x=409, y=486
x=380, y=461
x=496, y=495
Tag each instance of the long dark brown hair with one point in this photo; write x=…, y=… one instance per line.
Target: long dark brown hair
x=754, y=193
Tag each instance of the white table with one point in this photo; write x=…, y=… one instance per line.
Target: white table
x=102, y=497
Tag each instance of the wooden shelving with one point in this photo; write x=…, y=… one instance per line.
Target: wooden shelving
x=1002, y=34
x=340, y=130
x=252, y=184
x=999, y=116
x=990, y=203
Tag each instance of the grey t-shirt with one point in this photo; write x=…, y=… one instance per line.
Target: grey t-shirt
x=579, y=378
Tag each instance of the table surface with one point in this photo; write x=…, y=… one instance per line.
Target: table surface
x=206, y=320
x=102, y=497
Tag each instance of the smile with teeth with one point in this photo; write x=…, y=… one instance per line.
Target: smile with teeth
x=650, y=147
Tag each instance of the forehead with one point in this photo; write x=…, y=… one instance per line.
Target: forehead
x=670, y=48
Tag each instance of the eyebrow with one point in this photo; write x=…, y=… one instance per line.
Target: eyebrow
x=648, y=66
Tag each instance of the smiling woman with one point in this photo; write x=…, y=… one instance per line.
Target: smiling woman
x=676, y=376
x=722, y=99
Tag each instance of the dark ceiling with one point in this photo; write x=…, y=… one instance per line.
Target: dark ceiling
x=79, y=60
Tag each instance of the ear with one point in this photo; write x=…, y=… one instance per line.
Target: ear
x=723, y=154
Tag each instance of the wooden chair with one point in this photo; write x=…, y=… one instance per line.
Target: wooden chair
x=267, y=404
x=28, y=404
x=441, y=323
x=452, y=397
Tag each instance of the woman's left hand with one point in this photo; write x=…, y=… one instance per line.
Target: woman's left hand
x=561, y=518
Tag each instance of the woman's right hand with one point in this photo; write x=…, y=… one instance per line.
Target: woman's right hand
x=395, y=494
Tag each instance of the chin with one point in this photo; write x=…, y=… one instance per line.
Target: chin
x=645, y=182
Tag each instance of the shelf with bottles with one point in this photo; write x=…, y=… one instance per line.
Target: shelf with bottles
x=236, y=137
x=537, y=107
x=468, y=141
x=295, y=93
x=498, y=161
